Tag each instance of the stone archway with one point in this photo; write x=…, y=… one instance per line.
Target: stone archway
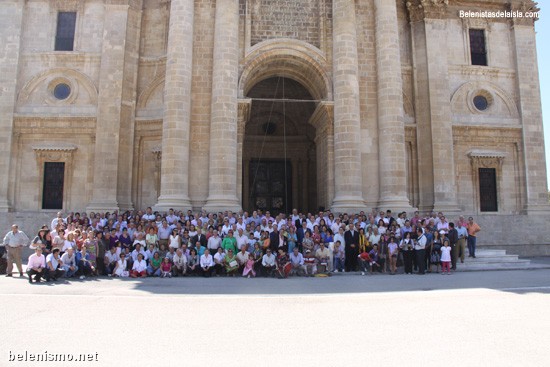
x=308, y=126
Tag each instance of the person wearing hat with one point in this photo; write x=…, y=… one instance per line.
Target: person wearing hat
x=14, y=241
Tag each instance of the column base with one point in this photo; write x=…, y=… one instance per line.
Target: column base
x=348, y=204
x=167, y=202
x=221, y=203
x=534, y=209
x=107, y=206
x=396, y=205
x=447, y=208
x=5, y=206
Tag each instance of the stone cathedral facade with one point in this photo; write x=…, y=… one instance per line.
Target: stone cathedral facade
x=274, y=104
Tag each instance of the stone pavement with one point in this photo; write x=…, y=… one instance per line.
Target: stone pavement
x=466, y=319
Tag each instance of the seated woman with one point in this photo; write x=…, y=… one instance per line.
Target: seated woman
x=166, y=268
x=283, y=264
x=139, y=268
x=193, y=266
x=154, y=265
x=85, y=267
x=231, y=264
x=120, y=267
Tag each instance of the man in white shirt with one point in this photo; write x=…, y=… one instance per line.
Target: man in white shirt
x=179, y=262
x=57, y=220
x=148, y=214
x=242, y=257
x=14, y=241
x=297, y=262
x=219, y=258
x=420, y=250
x=268, y=263
x=138, y=250
x=69, y=263
x=214, y=242
x=241, y=239
x=54, y=265
x=207, y=264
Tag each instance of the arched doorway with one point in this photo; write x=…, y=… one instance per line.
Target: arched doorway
x=293, y=72
x=279, y=150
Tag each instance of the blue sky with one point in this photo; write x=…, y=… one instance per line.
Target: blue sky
x=542, y=26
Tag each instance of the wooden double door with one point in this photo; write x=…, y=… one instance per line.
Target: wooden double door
x=271, y=185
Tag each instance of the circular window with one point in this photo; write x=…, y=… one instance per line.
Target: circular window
x=481, y=103
x=269, y=128
x=61, y=91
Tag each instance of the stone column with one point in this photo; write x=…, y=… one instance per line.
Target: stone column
x=528, y=92
x=222, y=182
x=347, y=128
x=11, y=16
x=174, y=184
x=435, y=129
x=391, y=129
x=111, y=111
x=244, y=114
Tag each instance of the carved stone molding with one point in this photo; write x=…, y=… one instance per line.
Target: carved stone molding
x=427, y=9
x=486, y=159
x=525, y=6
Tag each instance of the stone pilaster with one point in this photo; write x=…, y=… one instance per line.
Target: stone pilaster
x=347, y=128
x=436, y=158
x=110, y=110
x=222, y=182
x=528, y=91
x=391, y=130
x=11, y=15
x=174, y=186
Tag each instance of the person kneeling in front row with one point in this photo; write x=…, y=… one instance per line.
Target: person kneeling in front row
x=36, y=265
x=54, y=264
x=69, y=263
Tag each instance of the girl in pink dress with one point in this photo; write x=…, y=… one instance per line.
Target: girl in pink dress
x=249, y=267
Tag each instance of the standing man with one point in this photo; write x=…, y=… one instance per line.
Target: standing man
x=420, y=251
x=351, y=238
x=473, y=228
x=14, y=242
x=453, y=240
x=462, y=237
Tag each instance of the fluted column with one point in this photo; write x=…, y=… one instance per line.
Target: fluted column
x=174, y=185
x=347, y=128
x=222, y=183
x=391, y=130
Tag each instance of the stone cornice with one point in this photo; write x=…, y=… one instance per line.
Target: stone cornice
x=54, y=148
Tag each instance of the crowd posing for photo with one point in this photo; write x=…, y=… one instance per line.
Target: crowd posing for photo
x=177, y=244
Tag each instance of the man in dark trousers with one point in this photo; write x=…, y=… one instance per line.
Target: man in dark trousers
x=274, y=240
x=352, y=248
x=453, y=240
x=420, y=251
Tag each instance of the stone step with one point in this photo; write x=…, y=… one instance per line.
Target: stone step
x=488, y=258
x=489, y=252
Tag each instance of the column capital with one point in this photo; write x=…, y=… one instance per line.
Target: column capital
x=420, y=10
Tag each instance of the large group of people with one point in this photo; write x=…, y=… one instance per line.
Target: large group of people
x=175, y=244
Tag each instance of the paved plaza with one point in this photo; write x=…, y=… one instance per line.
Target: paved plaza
x=492, y=318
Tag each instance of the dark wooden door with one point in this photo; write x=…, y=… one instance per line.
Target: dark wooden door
x=52, y=194
x=488, y=190
x=270, y=185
